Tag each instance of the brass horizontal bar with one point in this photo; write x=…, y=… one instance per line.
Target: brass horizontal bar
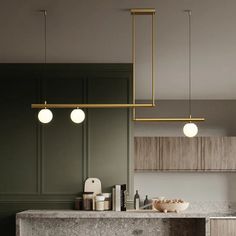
x=143, y=11
x=169, y=119
x=40, y=106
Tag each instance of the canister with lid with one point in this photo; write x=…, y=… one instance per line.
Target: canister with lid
x=78, y=203
x=88, y=199
x=107, y=201
x=100, y=202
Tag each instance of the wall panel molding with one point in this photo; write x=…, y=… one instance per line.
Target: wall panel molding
x=84, y=72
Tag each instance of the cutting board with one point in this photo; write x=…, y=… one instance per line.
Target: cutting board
x=93, y=185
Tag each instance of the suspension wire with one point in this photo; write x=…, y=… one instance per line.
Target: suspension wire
x=189, y=12
x=134, y=62
x=45, y=35
x=45, y=46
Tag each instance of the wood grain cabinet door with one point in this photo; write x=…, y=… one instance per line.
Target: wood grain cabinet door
x=219, y=153
x=223, y=227
x=180, y=153
x=146, y=153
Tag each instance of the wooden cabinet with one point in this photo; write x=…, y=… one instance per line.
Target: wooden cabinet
x=146, y=153
x=180, y=153
x=219, y=153
x=167, y=153
x=185, y=154
x=223, y=227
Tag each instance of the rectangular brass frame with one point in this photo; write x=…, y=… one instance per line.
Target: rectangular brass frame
x=134, y=12
x=150, y=11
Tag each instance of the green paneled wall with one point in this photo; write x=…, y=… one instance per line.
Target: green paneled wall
x=44, y=166
x=107, y=141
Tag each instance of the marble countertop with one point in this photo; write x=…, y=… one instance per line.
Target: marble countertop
x=70, y=214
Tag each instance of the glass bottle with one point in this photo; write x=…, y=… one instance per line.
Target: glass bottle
x=146, y=201
x=136, y=201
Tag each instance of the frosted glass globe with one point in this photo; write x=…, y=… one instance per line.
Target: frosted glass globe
x=190, y=130
x=45, y=116
x=77, y=115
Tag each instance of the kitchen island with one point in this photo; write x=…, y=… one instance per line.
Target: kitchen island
x=87, y=223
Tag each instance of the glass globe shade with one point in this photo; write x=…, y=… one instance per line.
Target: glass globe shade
x=45, y=116
x=190, y=130
x=77, y=115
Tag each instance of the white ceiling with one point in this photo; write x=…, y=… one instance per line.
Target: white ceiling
x=100, y=31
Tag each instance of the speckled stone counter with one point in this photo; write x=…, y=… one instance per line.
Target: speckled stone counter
x=85, y=223
x=71, y=214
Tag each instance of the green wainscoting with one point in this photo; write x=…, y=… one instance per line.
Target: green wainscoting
x=44, y=166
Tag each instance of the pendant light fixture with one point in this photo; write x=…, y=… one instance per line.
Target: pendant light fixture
x=45, y=115
x=190, y=129
x=77, y=115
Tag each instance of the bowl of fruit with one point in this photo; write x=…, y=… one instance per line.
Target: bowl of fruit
x=168, y=205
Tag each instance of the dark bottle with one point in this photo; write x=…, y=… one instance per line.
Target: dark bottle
x=146, y=201
x=136, y=200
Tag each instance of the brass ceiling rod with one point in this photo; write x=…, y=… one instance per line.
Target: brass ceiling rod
x=143, y=11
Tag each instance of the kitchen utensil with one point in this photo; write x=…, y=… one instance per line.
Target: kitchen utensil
x=93, y=185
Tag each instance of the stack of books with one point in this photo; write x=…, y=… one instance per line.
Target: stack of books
x=119, y=197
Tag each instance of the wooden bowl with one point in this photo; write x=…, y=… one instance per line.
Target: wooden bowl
x=170, y=206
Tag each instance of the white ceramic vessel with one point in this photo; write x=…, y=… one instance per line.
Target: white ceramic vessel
x=170, y=207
